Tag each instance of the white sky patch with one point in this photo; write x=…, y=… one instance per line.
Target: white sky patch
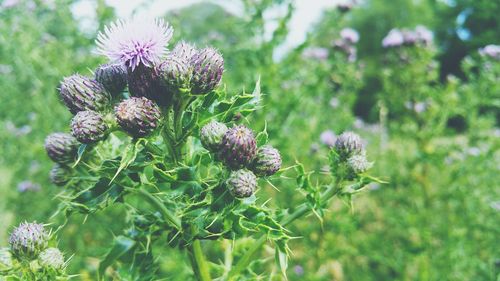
x=307, y=13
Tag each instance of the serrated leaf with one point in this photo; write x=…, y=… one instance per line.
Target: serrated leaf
x=81, y=151
x=121, y=245
x=128, y=156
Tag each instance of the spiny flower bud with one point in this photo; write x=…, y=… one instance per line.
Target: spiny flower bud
x=5, y=259
x=348, y=144
x=267, y=161
x=61, y=147
x=28, y=240
x=59, y=175
x=238, y=147
x=113, y=77
x=88, y=127
x=145, y=82
x=242, y=183
x=51, y=258
x=184, y=50
x=211, y=135
x=174, y=74
x=138, y=116
x=358, y=163
x=81, y=93
x=208, y=66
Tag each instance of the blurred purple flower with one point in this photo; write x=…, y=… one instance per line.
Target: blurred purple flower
x=26, y=186
x=350, y=35
x=316, y=53
x=424, y=34
x=492, y=51
x=135, y=42
x=334, y=102
x=393, y=39
x=328, y=138
x=299, y=270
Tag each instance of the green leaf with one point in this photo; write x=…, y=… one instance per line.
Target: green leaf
x=97, y=196
x=121, y=245
x=281, y=258
x=81, y=150
x=128, y=157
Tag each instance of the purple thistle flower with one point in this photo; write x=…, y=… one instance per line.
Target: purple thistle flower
x=492, y=51
x=135, y=42
x=350, y=35
x=393, y=39
x=328, y=138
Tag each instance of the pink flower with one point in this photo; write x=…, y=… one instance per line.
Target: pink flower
x=135, y=42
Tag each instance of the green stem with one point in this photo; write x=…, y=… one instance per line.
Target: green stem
x=198, y=261
x=302, y=210
x=161, y=207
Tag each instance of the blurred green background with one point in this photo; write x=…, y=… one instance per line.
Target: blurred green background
x=430, y=116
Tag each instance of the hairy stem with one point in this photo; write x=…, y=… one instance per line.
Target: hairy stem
x=198, y=261
x=302, y=210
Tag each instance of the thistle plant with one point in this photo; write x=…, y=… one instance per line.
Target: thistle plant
x=32, y=255
x=180, y=153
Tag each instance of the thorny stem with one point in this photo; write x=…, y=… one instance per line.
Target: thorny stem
x=161, y=207
x=302, y=210
x=198, y=261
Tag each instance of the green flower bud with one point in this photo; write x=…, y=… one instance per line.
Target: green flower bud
x=80, y=93
x=174, y=74
x=60, y=175
x=207, y=66
x=348, y=144
x=242, y=183
x=358, y=163
x=89, y=127
x=211, y=135
x=238, y=147
x=113, y=77
x=5, y=259
x=138, y=116
x=267, y=161
x=51, y=258
x=184, y=51
x=61, y=147
x=28, y=240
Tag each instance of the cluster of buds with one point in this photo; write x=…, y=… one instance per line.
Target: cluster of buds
x=29, y=246
x=236, y=148
x=346, y=43
x=351, y=155
x=405, y=37
x=156, y=81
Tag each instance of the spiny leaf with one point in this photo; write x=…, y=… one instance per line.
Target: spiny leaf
x=121, y=246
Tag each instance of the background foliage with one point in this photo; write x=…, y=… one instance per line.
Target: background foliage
x=438, y=217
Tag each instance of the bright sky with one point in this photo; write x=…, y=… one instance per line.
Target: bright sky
x=307, y=12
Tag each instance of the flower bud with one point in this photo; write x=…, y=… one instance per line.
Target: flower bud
x=184, y=51
x=238, y=147
x=113, y=77
x=61, y=147
x=348, y=144
x=208, y=66
x=242, y=183
x=138, y=116
x=5, y=259
x=211, y=135
x=28, y=240
x=51, y=258
x=59, y=175
x=174, y=74
x=267, y=161
x=145, y=82
x=358, y=163
x=80, y=93
x=88, y=127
